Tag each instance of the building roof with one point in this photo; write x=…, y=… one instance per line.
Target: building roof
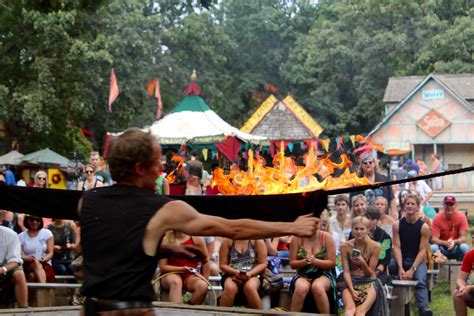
x=445, y=81
x=399, y=87
x=282, y=120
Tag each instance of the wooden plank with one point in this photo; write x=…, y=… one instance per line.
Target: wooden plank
x=54, y=285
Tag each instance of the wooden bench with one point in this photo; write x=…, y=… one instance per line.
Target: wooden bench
x=65, y=279
x=44, y=294
x=403, y=293
x=454, y=267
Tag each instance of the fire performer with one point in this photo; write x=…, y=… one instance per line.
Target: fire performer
x=122, y=227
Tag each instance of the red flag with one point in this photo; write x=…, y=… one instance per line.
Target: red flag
x=114, y=89
x=158, y=97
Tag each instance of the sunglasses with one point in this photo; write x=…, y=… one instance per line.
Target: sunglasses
x=32, y=219
x=368, y=162
x=41, y=178
x=89, y=171
x=449, y=204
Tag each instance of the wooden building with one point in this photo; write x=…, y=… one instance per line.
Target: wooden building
x=284, y=120
x=432, y=114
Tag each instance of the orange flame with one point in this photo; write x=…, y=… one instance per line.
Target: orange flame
x=285, y=176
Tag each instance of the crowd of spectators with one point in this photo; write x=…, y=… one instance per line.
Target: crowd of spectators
x=369, y=238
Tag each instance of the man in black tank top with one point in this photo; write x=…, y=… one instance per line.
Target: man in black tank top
x=410, y=242
x=122, y=227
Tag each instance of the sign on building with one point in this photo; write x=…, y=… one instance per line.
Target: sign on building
x=433, y=123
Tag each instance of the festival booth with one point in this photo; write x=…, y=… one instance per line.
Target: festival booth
x=282, y=121
x=432, y=114
x=46, y=159
x=194, y=124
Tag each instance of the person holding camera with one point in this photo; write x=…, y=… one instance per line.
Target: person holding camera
x=361, y=290
x=242, y=262
x=410, y=242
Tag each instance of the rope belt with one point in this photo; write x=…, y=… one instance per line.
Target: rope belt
x=157, y=280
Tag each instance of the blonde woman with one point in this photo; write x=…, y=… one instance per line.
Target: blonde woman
x=361, y=291
x=40, y=179
x=386, y=221
x=358, y=205
x=186, y=277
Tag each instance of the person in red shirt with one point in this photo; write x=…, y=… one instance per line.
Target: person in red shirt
x=449, y=231
x=463, y=295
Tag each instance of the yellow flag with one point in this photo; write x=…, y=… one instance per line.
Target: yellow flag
x=325, y=143
x=205, y=151
x=352, y=137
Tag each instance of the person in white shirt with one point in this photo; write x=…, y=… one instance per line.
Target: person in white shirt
x=421, y=187
x=11, y=271
x=341, y=221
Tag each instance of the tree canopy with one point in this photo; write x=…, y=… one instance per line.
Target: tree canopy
x=334, y=56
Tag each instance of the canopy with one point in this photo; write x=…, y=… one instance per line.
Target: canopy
x=12, y=158
x=45, y=157
x=192, y=121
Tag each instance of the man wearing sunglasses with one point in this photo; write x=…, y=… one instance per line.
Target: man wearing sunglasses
x=369, y=169
x=449, y=231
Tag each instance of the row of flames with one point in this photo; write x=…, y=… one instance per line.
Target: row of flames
x=284, y=177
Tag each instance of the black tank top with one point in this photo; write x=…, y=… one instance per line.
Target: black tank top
x=113, y=221
x=410, y=236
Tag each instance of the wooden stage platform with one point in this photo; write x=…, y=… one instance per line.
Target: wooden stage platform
x=161, y=308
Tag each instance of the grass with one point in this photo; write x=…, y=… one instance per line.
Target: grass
x=441, y=301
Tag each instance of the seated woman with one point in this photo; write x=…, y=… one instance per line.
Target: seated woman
x=64, y=246
x=242, y=262
x=386, y=221
x=314, y=259
x=37, y=247
x=358, y=205
x=186, y=276
x=361, y=290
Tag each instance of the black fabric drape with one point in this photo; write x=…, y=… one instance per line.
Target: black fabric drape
x=55, y=203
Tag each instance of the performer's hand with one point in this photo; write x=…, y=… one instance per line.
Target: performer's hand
x=305, y=225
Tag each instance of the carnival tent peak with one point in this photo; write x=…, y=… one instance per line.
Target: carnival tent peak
x=193, y=121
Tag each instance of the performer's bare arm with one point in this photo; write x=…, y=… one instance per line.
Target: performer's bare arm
x=180, y=216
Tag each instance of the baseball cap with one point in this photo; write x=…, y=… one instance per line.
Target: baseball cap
x=409, y=162
x=449, y=199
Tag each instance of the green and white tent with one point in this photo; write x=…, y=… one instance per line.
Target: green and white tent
x=192, y=121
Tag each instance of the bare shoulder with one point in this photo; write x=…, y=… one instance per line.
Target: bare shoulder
x=425, y=229
x=375, y=245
